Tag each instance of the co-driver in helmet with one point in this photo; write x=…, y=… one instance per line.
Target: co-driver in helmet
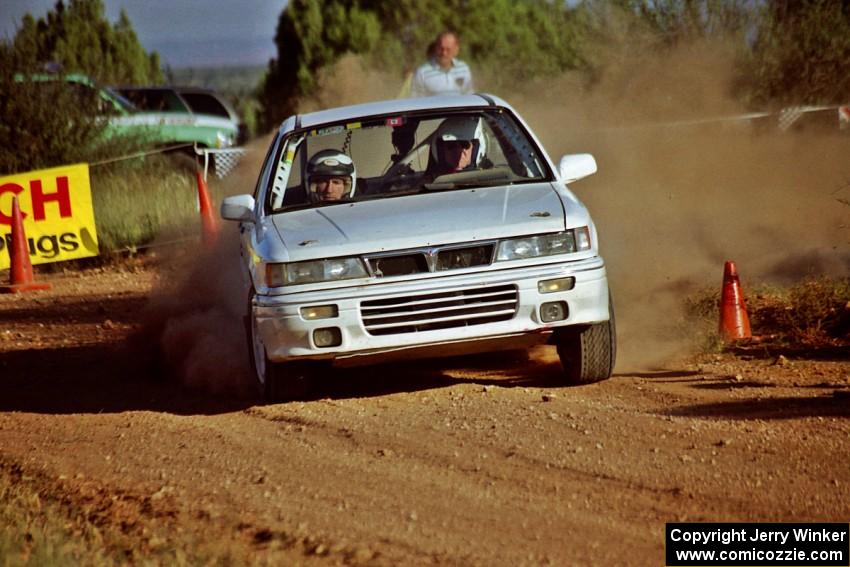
x=458, y=145
x=331, y=176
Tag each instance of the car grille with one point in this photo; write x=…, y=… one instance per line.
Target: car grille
x=467, y=257
x=446, y=310
x=401, y=265
x=431, y=260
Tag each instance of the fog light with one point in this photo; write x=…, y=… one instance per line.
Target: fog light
x=319, y=312
x=327, y=337
x=553, y=311
x=551, y=286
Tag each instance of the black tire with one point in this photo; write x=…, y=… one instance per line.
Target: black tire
x=276, y=382
x=289, y=381
x=588, y=354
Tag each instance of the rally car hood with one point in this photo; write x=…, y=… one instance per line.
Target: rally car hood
x=420, y=220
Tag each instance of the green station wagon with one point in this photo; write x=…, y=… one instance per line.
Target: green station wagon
x=160, y=129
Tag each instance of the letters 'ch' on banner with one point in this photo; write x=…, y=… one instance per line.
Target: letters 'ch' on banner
x=58, y=216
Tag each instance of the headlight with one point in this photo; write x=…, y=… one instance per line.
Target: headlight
x=223, y=140
x=574, y=240
x=314, y=271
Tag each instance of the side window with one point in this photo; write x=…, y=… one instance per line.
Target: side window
x=264, y=171
x=205, y=104
x=284, y=183
x=167, y=101
x=295, y=173
x=296, y=193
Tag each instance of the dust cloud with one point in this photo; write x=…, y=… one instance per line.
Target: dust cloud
x=681, y=188
x=195, y=315
x=350, y=81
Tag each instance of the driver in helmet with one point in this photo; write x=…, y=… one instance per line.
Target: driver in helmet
x=330, y=176
x=458, y=145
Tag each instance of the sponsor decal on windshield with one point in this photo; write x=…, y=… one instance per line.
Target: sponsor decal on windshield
x=336, y=129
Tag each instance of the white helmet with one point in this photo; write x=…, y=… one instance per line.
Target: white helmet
x=330, y=163
x=460, y=129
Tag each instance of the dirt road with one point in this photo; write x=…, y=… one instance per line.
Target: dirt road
x=481, y=461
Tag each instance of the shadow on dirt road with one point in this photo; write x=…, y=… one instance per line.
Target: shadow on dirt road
x=99, y=378
x=774, y=408
x=116, y=377
x=509, y=369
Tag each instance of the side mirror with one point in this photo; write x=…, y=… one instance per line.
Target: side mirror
x=238, y=208
x=575, y=166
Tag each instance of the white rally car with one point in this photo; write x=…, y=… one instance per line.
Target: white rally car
x=413, y=228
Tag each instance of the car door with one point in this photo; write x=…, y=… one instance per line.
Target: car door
x=248, y=229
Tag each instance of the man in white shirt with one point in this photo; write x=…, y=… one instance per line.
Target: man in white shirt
x=443, y=73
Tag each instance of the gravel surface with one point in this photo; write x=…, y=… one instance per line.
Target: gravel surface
x=467, y=461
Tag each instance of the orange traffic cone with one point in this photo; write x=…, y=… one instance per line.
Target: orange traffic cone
x=734, y=322
x=20, y=267
x=209, y=225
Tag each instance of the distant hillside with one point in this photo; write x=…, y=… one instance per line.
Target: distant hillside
x=235, y=82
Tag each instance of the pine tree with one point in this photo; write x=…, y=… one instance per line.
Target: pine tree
x=77, y=38
x=312, y=34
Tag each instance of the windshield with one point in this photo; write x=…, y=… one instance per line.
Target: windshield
x=399, y=155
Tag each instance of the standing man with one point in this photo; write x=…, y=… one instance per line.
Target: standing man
x=443, y=73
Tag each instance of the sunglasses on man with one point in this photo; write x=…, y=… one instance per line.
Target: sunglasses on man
x=457, y=144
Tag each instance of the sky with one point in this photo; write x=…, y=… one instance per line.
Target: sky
x=185, y=33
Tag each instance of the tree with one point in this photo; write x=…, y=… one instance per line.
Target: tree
x=687, y=20
x=507, y=41
x=78, y=38
x=46, y=123
x=42, y=124
x=784, y=51
x=801, y=53
x=514, y=42
x=312, y=34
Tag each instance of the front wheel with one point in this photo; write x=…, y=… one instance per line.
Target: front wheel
x=276, y=381
x=588, y=354
x=288, y=381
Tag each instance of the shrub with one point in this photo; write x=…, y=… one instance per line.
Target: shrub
x=140, y=202
x=818, y=310
x=813, y=312
x=43, y=125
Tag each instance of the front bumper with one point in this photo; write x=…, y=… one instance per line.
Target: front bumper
x=287, y=335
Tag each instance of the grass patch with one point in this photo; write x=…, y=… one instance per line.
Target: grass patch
x=38, y=527
x=138, y=203
x=813, y=313
x=34, y=531
x=135, y=203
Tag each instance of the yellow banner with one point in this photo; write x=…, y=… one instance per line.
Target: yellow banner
x=57, y=212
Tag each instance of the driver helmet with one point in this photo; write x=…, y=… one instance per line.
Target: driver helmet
x=460, y=129
x=330, y=163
